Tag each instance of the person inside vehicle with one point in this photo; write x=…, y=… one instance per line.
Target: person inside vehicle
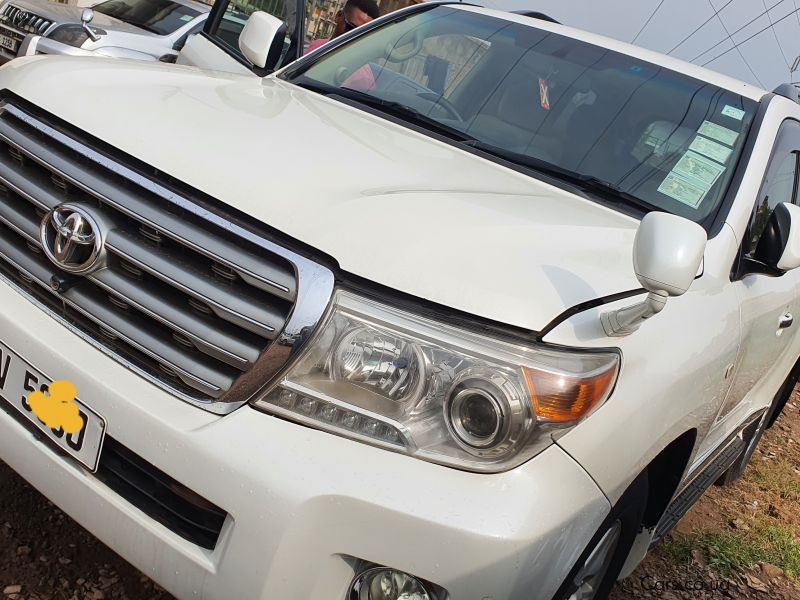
x=352, y=14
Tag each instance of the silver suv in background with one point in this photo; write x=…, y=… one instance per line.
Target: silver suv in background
x=138, y=29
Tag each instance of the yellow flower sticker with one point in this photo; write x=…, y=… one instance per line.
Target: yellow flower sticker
x=57, y=409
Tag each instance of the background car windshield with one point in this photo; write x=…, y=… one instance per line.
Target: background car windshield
x=668, y=139
x=157, y=16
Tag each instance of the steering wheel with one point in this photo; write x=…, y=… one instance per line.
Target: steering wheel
x=393, y=55
x=444, y=103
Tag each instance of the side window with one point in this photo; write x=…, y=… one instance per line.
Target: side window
x=321, y=19
x=321, y=16
x=229, y=28
x=780, y=184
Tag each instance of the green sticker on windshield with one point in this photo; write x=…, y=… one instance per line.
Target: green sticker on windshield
x=682, y=190
x=718, y=132
x=733, y=112
x=186, y=18
x=691, y=179
x=698, y=169
x=711, y=149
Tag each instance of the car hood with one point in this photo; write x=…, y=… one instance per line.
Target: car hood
x=62, y=13
x=389, y=204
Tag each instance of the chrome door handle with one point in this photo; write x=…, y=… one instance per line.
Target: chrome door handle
x=785, y=321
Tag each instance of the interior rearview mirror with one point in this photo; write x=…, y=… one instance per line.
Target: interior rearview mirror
x=667, y=252
x=779, y=244
x=261, y=40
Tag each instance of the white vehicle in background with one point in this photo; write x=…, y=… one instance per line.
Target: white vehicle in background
x=137, y=29
x=462, y=305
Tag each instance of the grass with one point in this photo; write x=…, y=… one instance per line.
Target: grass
x=733, y=551
x=779, y=477
x=756, y=520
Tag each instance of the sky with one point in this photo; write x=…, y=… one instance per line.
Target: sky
x=764, y=60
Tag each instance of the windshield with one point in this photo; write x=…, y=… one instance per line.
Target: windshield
x=156, y=16
x=653, y=136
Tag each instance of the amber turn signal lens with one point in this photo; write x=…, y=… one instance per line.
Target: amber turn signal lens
x=559, y=398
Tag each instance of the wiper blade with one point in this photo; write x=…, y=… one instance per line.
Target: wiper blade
x=583, y=182
x=397, y=109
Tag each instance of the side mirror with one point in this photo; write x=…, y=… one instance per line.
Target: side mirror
x=779, y=244
x=667, y=253
x=87, y=15
x=261, y=40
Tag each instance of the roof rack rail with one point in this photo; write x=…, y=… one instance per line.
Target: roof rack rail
x=788, y=90
x=536, y=15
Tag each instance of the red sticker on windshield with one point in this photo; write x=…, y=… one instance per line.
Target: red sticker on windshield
x=544, y=94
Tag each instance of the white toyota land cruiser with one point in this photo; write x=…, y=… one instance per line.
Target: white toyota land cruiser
x=462, y=305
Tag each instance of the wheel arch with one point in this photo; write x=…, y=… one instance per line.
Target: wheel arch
x=664, y=474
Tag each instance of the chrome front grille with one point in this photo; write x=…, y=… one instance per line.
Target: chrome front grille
x=24, y=21
x=202, y=305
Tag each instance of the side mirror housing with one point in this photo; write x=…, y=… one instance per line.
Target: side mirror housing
x=261, y=40
x=779, y=244
x=87, y=15
x=667, y=253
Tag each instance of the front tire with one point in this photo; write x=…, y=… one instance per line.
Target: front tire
x=597, y=569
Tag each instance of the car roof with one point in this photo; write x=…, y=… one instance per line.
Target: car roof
x=675, y=64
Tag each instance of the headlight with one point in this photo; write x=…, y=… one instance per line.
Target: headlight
x=394, y=379
x=72, y=35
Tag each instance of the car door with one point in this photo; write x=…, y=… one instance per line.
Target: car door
x=217, y=47
x=769, y=300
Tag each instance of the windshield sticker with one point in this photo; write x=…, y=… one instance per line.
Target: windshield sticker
x=712, y=150
x=186, y=18
x=718, y=132
x=698, y=169
x=544, y=94
x=682, y=190
x=733, y=112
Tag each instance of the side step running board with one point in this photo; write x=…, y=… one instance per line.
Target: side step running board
x=683, y=502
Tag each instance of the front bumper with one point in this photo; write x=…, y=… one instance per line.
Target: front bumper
x=299, y=501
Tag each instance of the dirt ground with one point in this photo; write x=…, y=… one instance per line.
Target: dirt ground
x=737, y=542
x=730, y=543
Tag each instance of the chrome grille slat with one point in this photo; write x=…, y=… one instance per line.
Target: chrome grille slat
x=23, y=224
x=24, y=21
x=257, y=319
x=186, y=296
x=23, y=261
x=197, y=375
x=11, y=176
x=210, y=381
x=148, y=299
x=279, y=282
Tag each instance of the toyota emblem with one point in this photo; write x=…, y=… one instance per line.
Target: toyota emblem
x=72, y=239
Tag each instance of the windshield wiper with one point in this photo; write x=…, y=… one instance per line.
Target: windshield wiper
x=588, y=183
x=391, y=107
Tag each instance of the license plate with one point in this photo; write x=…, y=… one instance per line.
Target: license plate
x=18, y=379
x=8, y=43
